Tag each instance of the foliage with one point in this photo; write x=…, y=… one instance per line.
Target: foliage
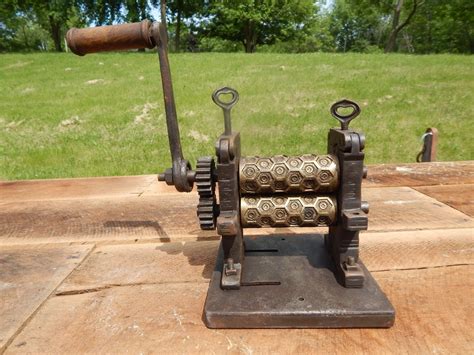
x=101, y=12
x=254, y=22
x=49, y=15
x=20, y=31
x=184, y=11
x=315, y=37
x=295, y=26
x=443, y=27
x=356, y=25
x=215, y=44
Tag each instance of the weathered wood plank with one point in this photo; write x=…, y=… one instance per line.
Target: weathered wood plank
x=416, y=174
x=126, y=264
x=117, y=219
x=193, y=261
x=421, y=174
x=460, y=197
x=417, y=249
x=434, y=315
x=173, y=217
x=83, y=188
x=28, y=275
x=402, y=208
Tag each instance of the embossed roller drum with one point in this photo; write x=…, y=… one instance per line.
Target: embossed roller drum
x=283, y=174
x=288, y=211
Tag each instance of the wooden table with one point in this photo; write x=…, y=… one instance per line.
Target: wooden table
x=119, y=264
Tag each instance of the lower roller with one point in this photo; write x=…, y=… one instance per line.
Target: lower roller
x=288, y=211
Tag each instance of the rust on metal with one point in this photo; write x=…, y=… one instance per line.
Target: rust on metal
x=430, y=146
x=180, y=174
x=110, y=38
x=279, y=191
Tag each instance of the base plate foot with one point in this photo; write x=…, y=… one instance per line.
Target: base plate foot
x=289, y=282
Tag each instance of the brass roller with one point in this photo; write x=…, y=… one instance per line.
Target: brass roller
x=294, y=174
x=288, y=211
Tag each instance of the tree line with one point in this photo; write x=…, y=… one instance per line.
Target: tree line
x=409, y=26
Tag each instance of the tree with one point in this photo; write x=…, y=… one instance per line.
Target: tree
x=443, y=26
x=137, y=10
x=51, y=15
x=396, y=25
x=253, y=22
x=19, y=30
x=101, y=12
x=183, y=10
x=356, y=24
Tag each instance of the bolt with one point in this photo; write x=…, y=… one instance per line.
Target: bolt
x=364, y=206
x=364, y=172
x=350, y=261
x=230, y=268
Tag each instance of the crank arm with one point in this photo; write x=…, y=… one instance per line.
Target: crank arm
x=135, y=36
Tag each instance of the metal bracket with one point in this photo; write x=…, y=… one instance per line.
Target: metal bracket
x=343, y=239
x=430, y=142
x=228, y=223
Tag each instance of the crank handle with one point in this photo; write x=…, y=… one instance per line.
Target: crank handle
x=110, y=38
x=137, y=35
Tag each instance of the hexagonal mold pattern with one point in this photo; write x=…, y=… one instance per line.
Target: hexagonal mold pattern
x=289, y=174
x=288, y=211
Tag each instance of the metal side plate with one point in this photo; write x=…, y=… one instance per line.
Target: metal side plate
x=288, y=282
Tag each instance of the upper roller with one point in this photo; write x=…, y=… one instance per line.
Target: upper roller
x=289, y=174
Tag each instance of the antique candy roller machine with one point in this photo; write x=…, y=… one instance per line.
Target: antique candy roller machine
x=275, y=281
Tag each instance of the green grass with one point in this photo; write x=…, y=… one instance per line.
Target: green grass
x=117, y=124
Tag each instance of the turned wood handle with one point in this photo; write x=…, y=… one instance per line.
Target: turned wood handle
x=110, y=38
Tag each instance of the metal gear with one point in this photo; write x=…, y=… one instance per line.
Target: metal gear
x=207, y=209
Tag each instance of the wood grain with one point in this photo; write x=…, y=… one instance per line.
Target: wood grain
x=420, y=174
x=66, y=189
x=171, y=217
x=112, y=219
x=402, y=208
x=28, y=275
x=143, y=287
x=434, y=310
x=111, y=265
x=460, y=197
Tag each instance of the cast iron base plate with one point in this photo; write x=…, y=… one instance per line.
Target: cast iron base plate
x=288, y=282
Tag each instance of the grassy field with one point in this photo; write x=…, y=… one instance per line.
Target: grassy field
x=68, y=116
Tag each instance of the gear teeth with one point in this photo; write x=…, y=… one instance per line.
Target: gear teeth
x=207, y=208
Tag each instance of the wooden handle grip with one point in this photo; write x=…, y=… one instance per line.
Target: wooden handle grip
x=110, y=38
